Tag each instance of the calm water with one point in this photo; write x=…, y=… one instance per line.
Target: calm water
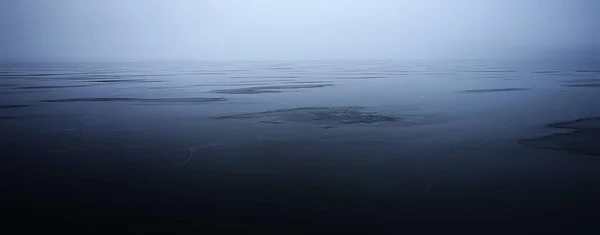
x=301, y=147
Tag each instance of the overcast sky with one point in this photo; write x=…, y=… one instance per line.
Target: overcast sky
x=55, y=30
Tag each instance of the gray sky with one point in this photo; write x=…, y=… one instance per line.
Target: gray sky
x=56, y=30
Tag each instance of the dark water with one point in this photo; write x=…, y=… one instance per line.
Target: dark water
x=314, y=147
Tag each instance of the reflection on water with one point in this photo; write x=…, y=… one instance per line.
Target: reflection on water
x=300, y=144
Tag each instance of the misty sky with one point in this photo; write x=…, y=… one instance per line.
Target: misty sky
x=72, y=30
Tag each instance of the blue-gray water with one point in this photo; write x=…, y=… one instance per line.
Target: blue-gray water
x=301, y=147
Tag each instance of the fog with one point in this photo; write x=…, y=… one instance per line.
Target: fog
x=94, y=30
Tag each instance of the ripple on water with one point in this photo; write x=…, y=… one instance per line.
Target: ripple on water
x=584, y=80
x=584, y=85
x=121, y=99
x=494, y=90
x=50, y=87
x=317, y=116
x=12, y=106
x=584, y=139
x=268, y=89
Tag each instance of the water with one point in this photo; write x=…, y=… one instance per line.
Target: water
x=300, y=147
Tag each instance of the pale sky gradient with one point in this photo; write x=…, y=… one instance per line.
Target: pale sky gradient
x=98, y=30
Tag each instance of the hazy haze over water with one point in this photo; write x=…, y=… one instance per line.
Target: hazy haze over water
x=71, y=30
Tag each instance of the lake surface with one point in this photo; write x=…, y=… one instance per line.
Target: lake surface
x=304, y=147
